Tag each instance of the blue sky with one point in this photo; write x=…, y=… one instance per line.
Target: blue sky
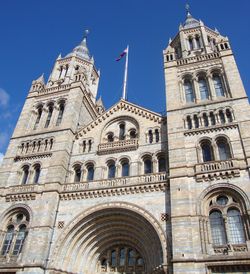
x=33, y=33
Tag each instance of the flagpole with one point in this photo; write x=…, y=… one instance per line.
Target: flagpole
x=124, y=93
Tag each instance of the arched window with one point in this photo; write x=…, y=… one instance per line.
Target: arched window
x=229, y=115
x=228, y=228
x=217, y=228
x=189, y=92
x=78, y=173
x=235, y=227
x=90, y=174
x=212, y=118
x=157, y=136
x=111, y=170
x=8, y=240
x=196, y=121
x=147, y=166
x=37, y=170
x=224, y=149
x=162, y=164
x=205, y=120
x=113, y=258
x=50, y=111
x=38, y=117
x=21, y=234
x=198, y=42
x=190, y=43
x=222, y=117
x=207, y=151
x=60, y=114
x=122, y=132
x=122, y=257
x=203, y=88
x=25, y=175
x=131, y=257
x=218, y=86
x=125, y=168
x=15, y=235
x=150, y=136
x=189, y=123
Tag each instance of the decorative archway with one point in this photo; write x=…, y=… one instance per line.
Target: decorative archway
x=93, y=234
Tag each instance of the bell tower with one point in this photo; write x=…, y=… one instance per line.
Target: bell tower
x=208, y=141
x=53, y=111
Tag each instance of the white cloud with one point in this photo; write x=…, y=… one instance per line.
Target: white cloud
x=4, y=98
x=1, y=158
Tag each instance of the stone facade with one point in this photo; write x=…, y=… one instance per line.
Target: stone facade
x=126, y=190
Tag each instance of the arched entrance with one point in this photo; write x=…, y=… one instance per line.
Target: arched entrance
x=112, y=240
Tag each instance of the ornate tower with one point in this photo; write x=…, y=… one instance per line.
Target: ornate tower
x=52, y=113
x=208, y=140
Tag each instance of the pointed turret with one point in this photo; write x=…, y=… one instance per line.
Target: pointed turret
x=81, y=50
x=190, y=22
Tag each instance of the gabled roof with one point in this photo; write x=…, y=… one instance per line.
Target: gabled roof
x=119, y=106
x=191, y=22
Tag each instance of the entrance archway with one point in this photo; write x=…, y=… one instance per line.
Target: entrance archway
x=112, y=239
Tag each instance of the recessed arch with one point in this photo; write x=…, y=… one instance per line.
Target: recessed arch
x=81, y=243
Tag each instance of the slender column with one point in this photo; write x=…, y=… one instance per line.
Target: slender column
x=211, y=87
x=196, y=90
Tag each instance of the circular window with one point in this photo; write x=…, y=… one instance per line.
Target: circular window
x=19, y=217
x=222, y=200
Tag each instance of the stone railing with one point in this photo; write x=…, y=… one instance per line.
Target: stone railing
x=210, y=170
x=118, y=146
x=201, y=57
x=117, y=182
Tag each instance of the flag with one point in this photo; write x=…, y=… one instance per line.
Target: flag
x=122, y=55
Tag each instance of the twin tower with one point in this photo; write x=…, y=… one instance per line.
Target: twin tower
x=125, y=190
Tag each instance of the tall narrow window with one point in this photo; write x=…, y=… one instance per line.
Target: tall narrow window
x=113, y=258
x=157, y=136
x=189, y=123
x=196, y=121
x=21, y=234
x=235, y=226
x=125, y=169
x=37, y=173
x=150, y=136
x=60, y=114
x=218, y=86
x=25, y=175
x=205, y=120
x=212, y=118
x=147, y=166
x=207, y=152
x=122, y=257
x=131, y=257
x=122, y=132
x=78, y=174
x=8, y=240
x=38, y=117
x=90, y=174
x=224, y=149
x=189, y=92
x=203, y=89
x=50, y=111
x=190, y=43
x=198, y=42
x=111, y=170
x=217, y=228
x=161, y=164
x=222, y=117
x=229, y=115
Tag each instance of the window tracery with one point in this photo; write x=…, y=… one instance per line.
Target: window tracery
x=122, y=259
x=15, y=234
